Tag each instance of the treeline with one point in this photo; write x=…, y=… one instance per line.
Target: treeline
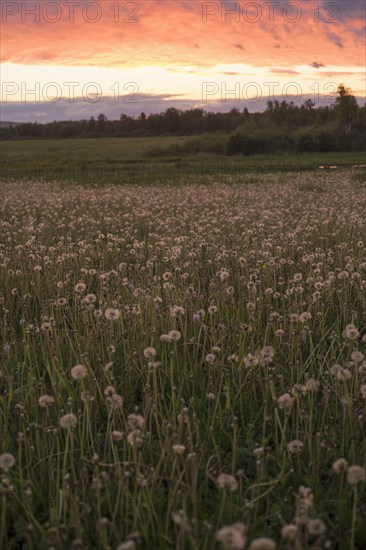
x=282, y=127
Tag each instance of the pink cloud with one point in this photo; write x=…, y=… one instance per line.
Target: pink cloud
x=174, y=33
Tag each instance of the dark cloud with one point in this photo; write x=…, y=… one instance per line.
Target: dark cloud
x=348, y=9
x=239, y=46
x=316, y=65
x=335, y=38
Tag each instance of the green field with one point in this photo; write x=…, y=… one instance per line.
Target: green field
x=182, y=349
x=134, y=160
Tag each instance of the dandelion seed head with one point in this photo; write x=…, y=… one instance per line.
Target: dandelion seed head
x=112, y=314
x=149, y=353
x=46, y=401
x=7, y=461
x=79, y=372
x=232, y=537
x=68, y=421
x=355, y=474
x=227, y=481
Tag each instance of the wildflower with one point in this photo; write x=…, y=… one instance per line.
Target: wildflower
x=344, y=374
x=304, y=503
x=90, y=298
x=135, y=438
x=149, y=353
x=183, y=416
x=179, y=449
x=363, y=391
x=351, y=333
x=86, y=397
x=338, y=372
x=78, y=372
x=177, y=311
x=174, y=335
x=335, y=369
x=46, y=400
x=306, y=316
x=212, y=309
x=227, y=481
x=312, y=385
x=295, y=446
x=251, y=360
x=115, y=401
x=266, y=354
x=210, y=358
x=357, y=356
x=262, y=543
x=80, y=288
x=355, y=474
x=152, y=365
x=289, y=531
x=164, y=338
x=117, y=436
x=232, y=537
x=7, y=461
x=258, y=451
x=112, y=314
x=285, y=401
x=316, y=527
x=180, y=518
x=68, y=421
x=339, y=465
x=135, y=421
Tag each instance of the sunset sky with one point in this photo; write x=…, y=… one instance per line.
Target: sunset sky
x=152, y=54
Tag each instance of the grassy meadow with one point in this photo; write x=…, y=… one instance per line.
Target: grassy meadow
x=148, y=160
x=182, y=366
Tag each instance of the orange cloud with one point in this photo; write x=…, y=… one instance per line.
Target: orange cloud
x=177, y=32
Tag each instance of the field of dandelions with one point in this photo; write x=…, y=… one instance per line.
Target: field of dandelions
x=184, y=366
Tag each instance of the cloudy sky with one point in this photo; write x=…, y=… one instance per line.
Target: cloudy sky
x=77, y=58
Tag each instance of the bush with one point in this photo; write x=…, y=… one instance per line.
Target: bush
x=317, y=139
x=259, y=141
